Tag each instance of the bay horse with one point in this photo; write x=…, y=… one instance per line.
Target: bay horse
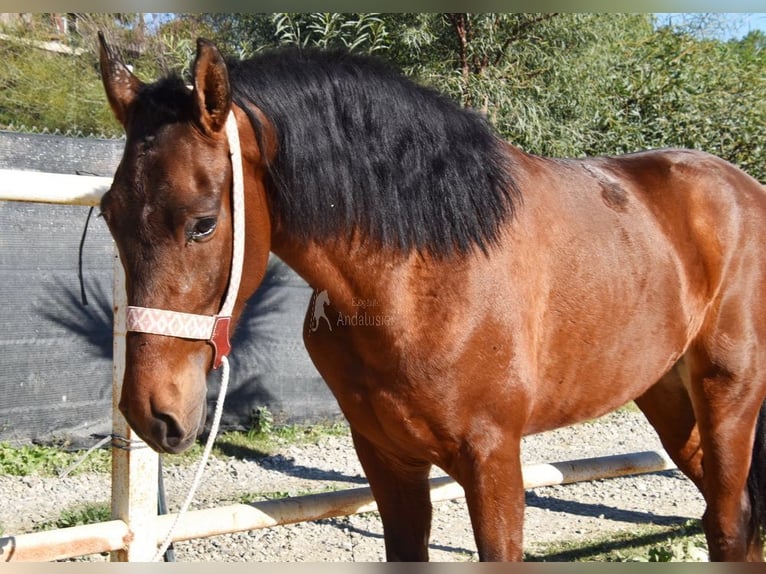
x=476, y=293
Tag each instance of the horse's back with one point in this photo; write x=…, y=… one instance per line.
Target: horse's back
x=693, y=192
x=714, y=216
x=632, y=255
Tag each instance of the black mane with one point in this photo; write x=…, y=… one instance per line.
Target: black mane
x=360, y=147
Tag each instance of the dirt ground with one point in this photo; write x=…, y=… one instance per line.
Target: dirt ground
x=577, y=512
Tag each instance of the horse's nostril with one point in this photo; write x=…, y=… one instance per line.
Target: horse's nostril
x=169, y=432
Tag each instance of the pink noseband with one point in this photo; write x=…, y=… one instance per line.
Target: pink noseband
x=215, y=329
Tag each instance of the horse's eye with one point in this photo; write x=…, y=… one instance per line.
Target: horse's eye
x=203, y=228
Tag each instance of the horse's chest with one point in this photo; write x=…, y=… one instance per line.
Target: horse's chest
x=375, y=395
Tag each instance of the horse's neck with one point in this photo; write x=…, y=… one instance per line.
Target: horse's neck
x=381, y=284
x=348, y=273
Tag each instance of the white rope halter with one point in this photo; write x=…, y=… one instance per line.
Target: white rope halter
x=214, y=329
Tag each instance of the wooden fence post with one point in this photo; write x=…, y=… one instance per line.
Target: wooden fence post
x=134, y=464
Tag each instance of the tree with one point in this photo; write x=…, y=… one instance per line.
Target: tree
x=48, y=90
x=587, y=84
x=541, y=78
x=683, y=92
x=560, y=84
x=354, y=32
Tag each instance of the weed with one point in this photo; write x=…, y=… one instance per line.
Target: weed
x=252, y=444
x=91, y=513
x=690, y=546
x=262, y=421
x=26, y=459
x=51, y=460
x=250, y=497
x=652, y=543
x=47, y=460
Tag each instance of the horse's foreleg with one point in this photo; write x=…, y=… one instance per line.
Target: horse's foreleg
x=494, y=490
x=403, y=496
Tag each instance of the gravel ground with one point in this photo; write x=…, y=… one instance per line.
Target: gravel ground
x=576, y=512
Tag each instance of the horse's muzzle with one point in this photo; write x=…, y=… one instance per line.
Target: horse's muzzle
x=169, y=436
x=164, y=432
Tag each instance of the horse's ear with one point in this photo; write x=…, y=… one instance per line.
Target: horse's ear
x=212, y=95
x=120, y=84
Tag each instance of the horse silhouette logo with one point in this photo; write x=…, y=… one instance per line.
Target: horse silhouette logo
x=320, y=300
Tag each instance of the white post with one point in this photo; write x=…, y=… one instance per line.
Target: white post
x=135, y=467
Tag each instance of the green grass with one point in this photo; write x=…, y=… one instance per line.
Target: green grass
x=43, y=460
x=90, y=513
x=264, y=439
x=254, y=444
x=48, y=460
x=250, y=497
x=678, y=543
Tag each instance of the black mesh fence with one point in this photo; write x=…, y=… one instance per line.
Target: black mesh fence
x=56, y=353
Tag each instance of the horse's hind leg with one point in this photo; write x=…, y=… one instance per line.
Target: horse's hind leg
x=713, y=452
x=727, y=399
x=402, y=493
x=669, y=409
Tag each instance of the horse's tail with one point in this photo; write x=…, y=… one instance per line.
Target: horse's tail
x=756, y=480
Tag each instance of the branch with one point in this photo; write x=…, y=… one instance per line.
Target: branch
x=520, y=31
x=459, y=23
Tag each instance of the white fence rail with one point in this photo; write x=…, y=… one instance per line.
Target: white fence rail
x=39, y=187
x=117, y=535
x=136, y=530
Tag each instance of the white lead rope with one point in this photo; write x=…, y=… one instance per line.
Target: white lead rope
x=202, y=463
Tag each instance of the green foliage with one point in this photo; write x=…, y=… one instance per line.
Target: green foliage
x=689, y=550
x=688, y=546
x=253, y=444
x=573, y=84
x=239, y=35
x=558, y=84
x=683, y=542
x=178, y=51
x=22, y=461
x=47, y=460
x=78, y=516
x=682, y=92
x=56, y=91
x=262, y=421
x=250, y=497
x=355, y=32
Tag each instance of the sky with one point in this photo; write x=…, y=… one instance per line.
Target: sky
x=738, y=23
x=748, y=22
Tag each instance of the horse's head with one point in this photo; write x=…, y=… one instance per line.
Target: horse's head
x=169, y=211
